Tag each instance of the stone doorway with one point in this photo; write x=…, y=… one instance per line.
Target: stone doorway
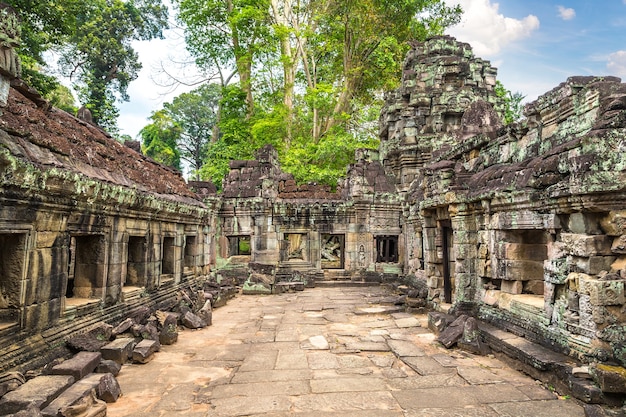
x=447, y=244
x=12, y=256
x=136, y=262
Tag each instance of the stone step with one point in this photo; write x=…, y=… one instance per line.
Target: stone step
x=36, y=393
x=522, y=349
x=550, y=367
x=345, y=283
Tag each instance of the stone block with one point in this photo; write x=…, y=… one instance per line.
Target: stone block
x=206, y=313
x=619, y=244
x=606, y=293
x=522, y=270
x=107, y=366
x=585, y=312
x=37, y=392
x=512, y=287
x=453, y=333
x=522, y=251
x=524, y=220
x=614, y=223
x=437, y=321
x=555, y=271
x=144, y=351
x=583, y=223
x=120, y=350
x=105, y=387
x=81, y=364
x=192, y=321
x=169, y=329
x=609, y=378
x=586, y=245
x=592, y=265
x=491, y=297
x=124, y=326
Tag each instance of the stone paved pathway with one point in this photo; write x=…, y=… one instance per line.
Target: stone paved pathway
x=325, y=351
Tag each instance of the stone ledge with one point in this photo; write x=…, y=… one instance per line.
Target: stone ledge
x=552, y=368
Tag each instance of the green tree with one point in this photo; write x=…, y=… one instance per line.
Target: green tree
x=222, y=34
x=196, y=116
x=513, y=107
x=99, y=57
x=93, y=37
x=159, y=139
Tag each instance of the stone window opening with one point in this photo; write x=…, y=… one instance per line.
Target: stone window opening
x=12, y=256
x=190, y=253
x=86, y=269
x=386, y=249
x=239, y=245
x=520, y=256
x=136, y=265
x=296, y=245
x=168, y=256
x=332, y=251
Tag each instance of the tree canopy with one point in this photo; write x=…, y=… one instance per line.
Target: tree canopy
x=92, y=38
x=309, y=74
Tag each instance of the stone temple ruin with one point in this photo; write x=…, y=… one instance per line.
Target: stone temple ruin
x=521, y=226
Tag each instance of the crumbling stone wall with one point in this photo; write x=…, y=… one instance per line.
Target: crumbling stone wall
x=522, y=223
x=307, y=232
x=84, y=222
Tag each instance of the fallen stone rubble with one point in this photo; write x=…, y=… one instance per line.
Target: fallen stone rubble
x=83, y=384
x=601, y=387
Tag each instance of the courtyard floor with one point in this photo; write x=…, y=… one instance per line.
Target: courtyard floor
x=338, y=351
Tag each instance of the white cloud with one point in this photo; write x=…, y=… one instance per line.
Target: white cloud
x=617, y=63
x=567, y=13
x=488, y=30
x=146, y=93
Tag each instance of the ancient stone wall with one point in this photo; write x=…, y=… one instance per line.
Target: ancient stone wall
x=274, y=231
x=520, y=224
x=90, y=231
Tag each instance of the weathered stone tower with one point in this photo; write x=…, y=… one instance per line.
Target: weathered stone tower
x=441, y=81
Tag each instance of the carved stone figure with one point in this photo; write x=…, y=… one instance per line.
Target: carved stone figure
x=10, y=33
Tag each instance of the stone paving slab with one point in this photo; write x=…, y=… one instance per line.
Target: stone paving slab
x=337, y=352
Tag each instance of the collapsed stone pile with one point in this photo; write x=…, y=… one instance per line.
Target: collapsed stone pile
x=84, y=383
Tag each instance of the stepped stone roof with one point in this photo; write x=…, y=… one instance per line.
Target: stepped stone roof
x=49, y=138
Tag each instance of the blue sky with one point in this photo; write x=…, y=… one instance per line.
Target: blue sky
x=535, y=44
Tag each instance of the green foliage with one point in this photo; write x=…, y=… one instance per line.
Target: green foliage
x=62, y=98
x=325, y=161
x=99, y=56
x=310, y=74
x=159, y=140
x=93, y=37
x=513, y=107
x=196, y=115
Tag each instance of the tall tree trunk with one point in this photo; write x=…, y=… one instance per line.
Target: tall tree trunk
x=289, y=59
x=243, y=61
